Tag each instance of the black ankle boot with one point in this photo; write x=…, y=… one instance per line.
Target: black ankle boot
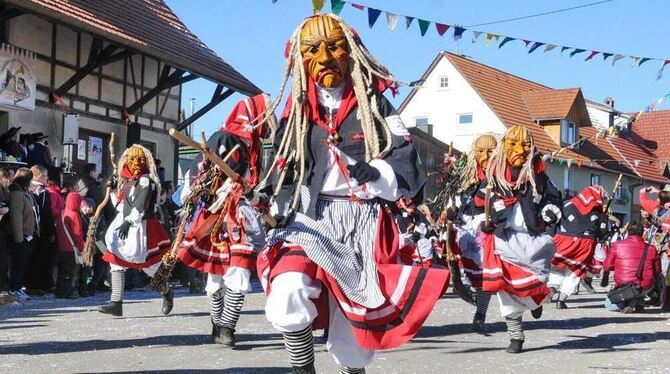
x=215, y=333
x=226, y=337
x=114, y=308
x=305, y=369
x=478, y=323
x=515, y=346
x=168, y=302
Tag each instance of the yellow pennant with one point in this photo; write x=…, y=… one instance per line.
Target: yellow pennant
x=317, y=5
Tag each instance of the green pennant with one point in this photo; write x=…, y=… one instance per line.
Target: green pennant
x=505, y=41
x=644, y=59
x=423, y=26
x=561, y=161
x=337, y=6
x=576, y=51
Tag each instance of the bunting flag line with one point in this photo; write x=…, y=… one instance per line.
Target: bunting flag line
x=373, y=14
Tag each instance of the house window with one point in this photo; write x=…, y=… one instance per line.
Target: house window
x=444, y=82
x=465, y=118
x=418, y=121
x=621, y=192
x=596, y=179
x=568, y=132
x=567, y=179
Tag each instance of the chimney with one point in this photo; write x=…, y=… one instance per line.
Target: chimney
x=609, y=101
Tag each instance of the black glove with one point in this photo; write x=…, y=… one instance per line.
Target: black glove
x=281, y=222
x=487, y=229
x=551, y=217
x=123, y=230
x=363, y=172
x=452, y=214
x=111, y=182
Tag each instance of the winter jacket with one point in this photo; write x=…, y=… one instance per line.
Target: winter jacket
x=22, y=213
x=72, y=225
x=57, y=201
x=624, y=257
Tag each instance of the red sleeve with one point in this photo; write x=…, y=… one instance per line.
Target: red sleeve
x=611, y=258
x=75, y=233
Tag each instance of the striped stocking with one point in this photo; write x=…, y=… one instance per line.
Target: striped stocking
x=482, y=299
x=216, y=307
x=515, y=328
x=300, y=346
x=232, y=307
x=346, y=370
x=118, y=284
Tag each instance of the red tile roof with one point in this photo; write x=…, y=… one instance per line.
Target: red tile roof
x=518, y=101
x=655, y=126
x=553, y=104
x=148, y=26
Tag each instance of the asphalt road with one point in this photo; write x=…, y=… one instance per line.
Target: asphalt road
x=69, y=336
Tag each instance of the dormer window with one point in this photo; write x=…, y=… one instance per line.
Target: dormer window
x=444, y=82
x=568, y=132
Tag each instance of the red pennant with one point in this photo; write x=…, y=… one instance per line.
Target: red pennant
x=441, y=28
x=580, y=163
x=592, y=55
x=358, y=6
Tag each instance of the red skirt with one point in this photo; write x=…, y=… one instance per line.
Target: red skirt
x=411, y=292
x=158, y=243
x=499, y=275
x=201, y=255
x=574, y=254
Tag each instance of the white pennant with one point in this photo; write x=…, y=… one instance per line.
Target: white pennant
x=616, y=58
x=549, y=47
x=637, y=163
x=391, y=20
x=569, y=161
x=633, y=60
x=475, y=36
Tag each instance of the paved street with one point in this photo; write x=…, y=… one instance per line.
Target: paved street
x=64, y=336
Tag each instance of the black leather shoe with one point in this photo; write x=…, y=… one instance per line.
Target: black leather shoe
x=561, y=305
x=515, y=346
x=114, y=308
x=215, y=334
x=537, y=312
x=227, y=337
x=168, y=302
x=478, y=323
x=306, y=369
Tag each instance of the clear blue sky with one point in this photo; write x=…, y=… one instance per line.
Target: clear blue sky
x=251, y=34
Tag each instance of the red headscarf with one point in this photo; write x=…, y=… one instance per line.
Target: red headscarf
x=588, y=199
x=239, y=123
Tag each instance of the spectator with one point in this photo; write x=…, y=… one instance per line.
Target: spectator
x=39, y=271
x=23, y=220
x=5, y=180
x=624, y=258
x=160, y=170
x=71, y=246
x=38, y=150
x=54, y=182
x=89, y=186
x=100, y=268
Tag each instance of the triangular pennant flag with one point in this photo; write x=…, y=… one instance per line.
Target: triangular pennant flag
x=274, y=1
x=569, y=161
x=660, y=71
x=505, y=41
x=336, y=6
x=549, y=47
x=645, y=59
x=591, y=55
x=607, y=55
x=535, y=46
x=317, y=5
x=634, y=60
x=358, y=6
x=490, y=37
x=373, y=15
x=561, y=161
x=576, y=51
x=637, y=163
x=423, y=26
x=408, y=21
x=545, y=157
x=441, y=28
x=563, y=49
x=526, y=42
x=391, y=20
x=616, y=58
x=580, y=163
x=475, y=36
x=458, y=32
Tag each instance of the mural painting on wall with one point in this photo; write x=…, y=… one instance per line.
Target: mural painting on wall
x=18, y=79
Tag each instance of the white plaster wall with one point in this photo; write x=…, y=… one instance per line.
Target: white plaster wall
x=442, y=107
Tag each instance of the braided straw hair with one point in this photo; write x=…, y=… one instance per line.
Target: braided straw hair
x=469, y=176
x=363, y=69
x=151, y=165
x=498, y=164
